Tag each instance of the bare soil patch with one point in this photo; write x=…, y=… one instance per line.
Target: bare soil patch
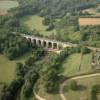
x=89, y=21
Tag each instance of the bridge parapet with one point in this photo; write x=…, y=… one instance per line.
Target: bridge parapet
x=47, y=43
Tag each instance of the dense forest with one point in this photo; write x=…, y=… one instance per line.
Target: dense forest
x=56, y=8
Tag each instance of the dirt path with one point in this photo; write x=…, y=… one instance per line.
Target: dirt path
x=78, y=77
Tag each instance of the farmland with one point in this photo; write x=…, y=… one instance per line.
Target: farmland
x=46, y=43
x=77, y=64
x=6, y=5
x=89, y=21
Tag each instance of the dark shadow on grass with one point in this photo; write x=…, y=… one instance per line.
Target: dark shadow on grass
x=81, y=88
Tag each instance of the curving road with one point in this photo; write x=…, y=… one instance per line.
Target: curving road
x=77, y=77
x=38, y=97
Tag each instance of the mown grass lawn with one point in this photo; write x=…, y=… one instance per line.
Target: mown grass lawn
x=75, y=64
x=82, y=94
x=71, y=64
x=7, y=67
x=86, y=63
x=35, y=22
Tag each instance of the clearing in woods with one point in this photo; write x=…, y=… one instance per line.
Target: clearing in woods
x=35, y=22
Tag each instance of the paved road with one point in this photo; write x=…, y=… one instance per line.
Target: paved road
x=38, y=97
x=78, y=77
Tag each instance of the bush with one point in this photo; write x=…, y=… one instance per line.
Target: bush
x=95, y=90
x=73, y=85
x=50, y=27
x=85, y=50
x=46, y=21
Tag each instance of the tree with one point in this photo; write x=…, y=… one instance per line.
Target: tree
x=31, y=79
x=27, y=90
x=12, y=90
x=12, y=45
x=73, y=85
x=46, y=21
x=30, y=61
x=20, y=71
x=52, y=81
x=85, y=50
x=50, y=27
x=95, y=90
x=13, y=22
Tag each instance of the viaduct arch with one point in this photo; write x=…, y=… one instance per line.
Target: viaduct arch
x=47, y=43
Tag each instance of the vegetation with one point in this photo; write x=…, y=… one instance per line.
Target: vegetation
x=13, y=46
x=6, y=5
x=84, y=88
x=95, y=91
x=31, y=67
x=26, y=76
x=35, y=24
x=73, y=85
x=56, y=8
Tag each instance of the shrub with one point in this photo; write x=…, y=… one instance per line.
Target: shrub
x=73, y=85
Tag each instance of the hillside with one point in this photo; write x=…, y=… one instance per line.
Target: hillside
x=57, y=8
x=46, y=43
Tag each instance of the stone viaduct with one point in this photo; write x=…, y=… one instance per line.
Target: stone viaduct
x=47, y=43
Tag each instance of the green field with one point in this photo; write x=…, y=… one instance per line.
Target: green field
x=71, y=64
x=7, y=4
x=35, y=22
x=75, y=36
x=86, y=63
x=82, y=94
x=42, y=92
x=75, y=64
x=7, y=68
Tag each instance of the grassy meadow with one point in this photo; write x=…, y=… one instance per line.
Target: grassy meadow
x=75, y=63
x=7, y=67
x=84, y=91
x=35, y=22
